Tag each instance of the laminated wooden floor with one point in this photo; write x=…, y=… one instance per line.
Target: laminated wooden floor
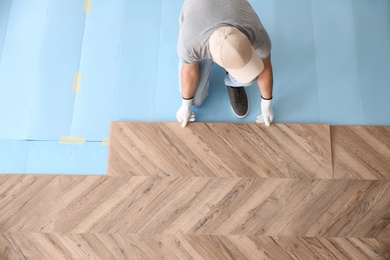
x=211, y=191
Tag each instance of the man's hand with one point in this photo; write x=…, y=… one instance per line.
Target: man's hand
x=267, y=115
x=184, y=114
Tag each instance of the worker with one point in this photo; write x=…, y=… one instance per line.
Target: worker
x=230, y=34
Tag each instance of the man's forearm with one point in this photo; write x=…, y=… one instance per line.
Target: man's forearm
x=189, y=80
x=265, y=79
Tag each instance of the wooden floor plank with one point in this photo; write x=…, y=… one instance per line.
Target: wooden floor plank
x=338, y=208
x=121, y=246
x=361, y=152
x=220, y=150
x=210, y=191
x=85, y=201
x=169, y=205
x=27, y=203
x=80, y=246
x=223, y=206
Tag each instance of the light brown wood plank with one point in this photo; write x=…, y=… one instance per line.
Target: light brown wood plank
x=8, y=250
x=220, y=150
x=84, y=202
x=169, y=205
x=209, y=247
x=361, y=152
x=121, y=246
x=224, y=206
x=80, y=246
x=27, y=202
x=319, y=248
x=338, y=208
x=260, y=247
x=243, y=206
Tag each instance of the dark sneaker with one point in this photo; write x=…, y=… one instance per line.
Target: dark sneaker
x=238, y=101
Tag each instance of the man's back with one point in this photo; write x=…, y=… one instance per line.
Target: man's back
x=200, y=18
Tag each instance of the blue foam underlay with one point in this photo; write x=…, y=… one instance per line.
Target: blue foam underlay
x=331, y=62
x=50, y=157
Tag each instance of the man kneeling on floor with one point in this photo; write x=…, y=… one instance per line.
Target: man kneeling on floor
x=229, y=33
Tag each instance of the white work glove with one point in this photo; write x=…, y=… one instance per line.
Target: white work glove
x=185, y=115
x=267, y=115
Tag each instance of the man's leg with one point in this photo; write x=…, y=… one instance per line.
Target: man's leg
x=237, y=95
x=202, y=90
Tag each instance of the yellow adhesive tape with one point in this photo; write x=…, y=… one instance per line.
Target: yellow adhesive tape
x=105, y=142
x=77, y=82
x=88, y=6
x=72, y=140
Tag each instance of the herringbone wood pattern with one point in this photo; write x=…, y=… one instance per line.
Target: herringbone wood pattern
x=361, y=152
x=210, y=191
x=220, y=150
x=132, y=246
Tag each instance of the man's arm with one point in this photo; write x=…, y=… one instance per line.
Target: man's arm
x=189, y=80
x=265, y=82
x=265, y=79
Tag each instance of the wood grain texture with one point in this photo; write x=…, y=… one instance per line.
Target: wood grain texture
x=224, y=206
x=361, y=152
x=338, y=208
x=169, y=205
x=260, y=247
x=80, y=246
x=181, y=247
x=27, y=203
x=210, y=191
x=220, y=150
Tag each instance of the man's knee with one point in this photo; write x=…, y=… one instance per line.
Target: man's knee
x=197, y=102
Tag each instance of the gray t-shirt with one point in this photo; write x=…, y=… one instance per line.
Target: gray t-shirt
x=200, y=18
